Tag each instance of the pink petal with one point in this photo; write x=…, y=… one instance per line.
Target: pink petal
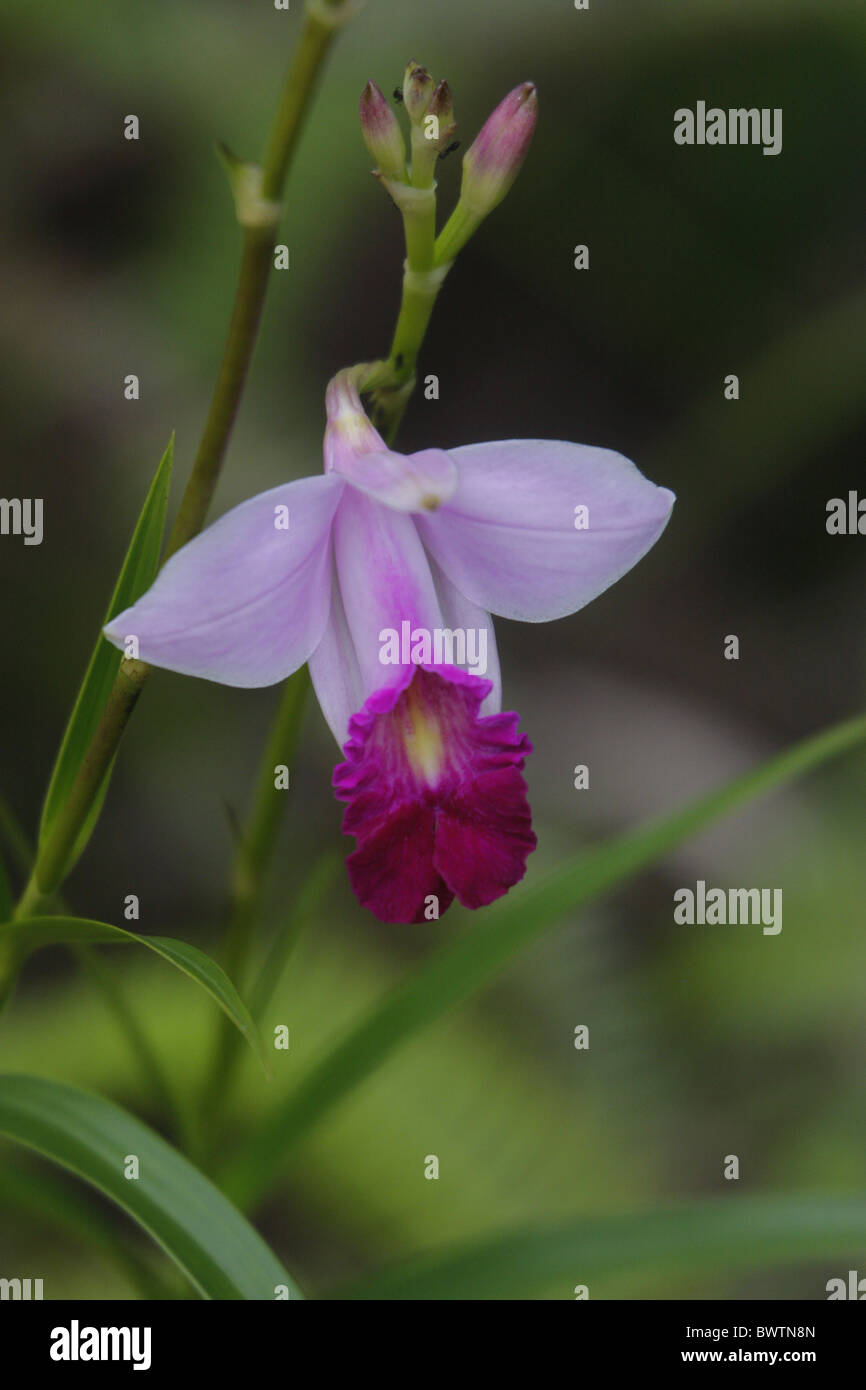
x=355, y=450
x=458, y=611
x=246, y=602
x=335, y=672
x=384, y=579
x=508, y=538
x=407, y=482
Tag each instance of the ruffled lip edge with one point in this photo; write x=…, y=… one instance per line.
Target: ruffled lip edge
x=383, y=700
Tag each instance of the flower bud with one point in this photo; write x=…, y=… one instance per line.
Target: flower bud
x=417, y=91
x=439, y=123
x=493, y=161
x=382, y=133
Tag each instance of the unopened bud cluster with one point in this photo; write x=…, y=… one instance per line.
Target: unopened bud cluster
x=490, y=165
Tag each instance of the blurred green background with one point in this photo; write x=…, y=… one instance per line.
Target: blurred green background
x=120, y=257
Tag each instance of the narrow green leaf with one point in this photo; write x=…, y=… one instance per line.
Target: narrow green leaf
x=457, y=970
x=180, y=1208
x=137, y=574
x=30, y=933
x=52, y=1203
x=698, y=1240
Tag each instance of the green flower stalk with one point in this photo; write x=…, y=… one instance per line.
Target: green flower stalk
x=489, y=169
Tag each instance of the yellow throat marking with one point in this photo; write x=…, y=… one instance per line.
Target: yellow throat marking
x=422, y=738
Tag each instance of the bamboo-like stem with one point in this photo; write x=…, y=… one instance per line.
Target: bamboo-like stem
x=322, y=20
x=252, y=857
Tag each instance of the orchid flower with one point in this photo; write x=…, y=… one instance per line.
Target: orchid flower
x=359, y=571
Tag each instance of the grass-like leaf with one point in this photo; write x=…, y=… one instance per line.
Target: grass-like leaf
x=699, y=1240
x=180, y=1208
x=51, y=1203
x=457, y=970
x=137, y=574
x=28, y=934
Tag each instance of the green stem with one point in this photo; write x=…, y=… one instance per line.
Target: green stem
x=321, y=23
x=307, y=903
x=415, y=311
x=258, y=840
x=419, y=231
x=423, y=164
x=460, y=226
x=256, y=259
x=252, y=857
x=54, y=853
x=422, y=280
x=416, y=308
x=419, y=211
x=295, y=100
x=289, y=928
x=31, y=900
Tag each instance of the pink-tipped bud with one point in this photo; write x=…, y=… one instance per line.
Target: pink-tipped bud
x=417, y=91
x=382, y=133
x=439, y=123
x=493, y=161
